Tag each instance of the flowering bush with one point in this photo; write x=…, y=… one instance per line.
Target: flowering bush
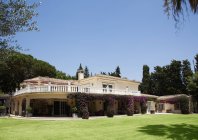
x=82, y=100
x=82, y=105
x=110, y=105
x=130, y=106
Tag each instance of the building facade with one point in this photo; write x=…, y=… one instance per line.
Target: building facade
x=50, y=97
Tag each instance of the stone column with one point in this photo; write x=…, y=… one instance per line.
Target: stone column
x=20, y=107
x=49, y=87
x=69, y=86
x=27, y=102
x=15, y=106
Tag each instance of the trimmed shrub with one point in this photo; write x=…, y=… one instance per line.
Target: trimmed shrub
x=2, y=110
x=74, y=109
x=29, y=109
x=129, y=112
x=110, y=113
x=184, y=104
x=85, y=114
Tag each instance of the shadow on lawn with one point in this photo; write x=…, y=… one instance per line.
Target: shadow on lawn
x=174, y=131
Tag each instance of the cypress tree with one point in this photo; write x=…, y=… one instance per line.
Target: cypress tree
x=86, y=72
x=196, y=63
x=117, y=72
x=186, y=72
x=145, y=85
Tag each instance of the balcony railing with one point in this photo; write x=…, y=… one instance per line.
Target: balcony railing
x=73, y=89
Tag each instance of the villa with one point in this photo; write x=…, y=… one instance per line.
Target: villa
x=51, y=97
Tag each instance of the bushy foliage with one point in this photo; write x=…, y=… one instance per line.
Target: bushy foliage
x=2, y=110
x=82, y=105
x=85, y=113
x=184, y=104
x=142, y=100
x=127, y=104
x=16, y=16
x=110, y=105
x=19, y=67
x=110, y=113
x=82, y=100
x=130, y=106
x=29, y=109
x=167, y=80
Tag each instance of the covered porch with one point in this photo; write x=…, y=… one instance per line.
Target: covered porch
x=43, y=104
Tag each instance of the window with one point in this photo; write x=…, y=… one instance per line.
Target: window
x=104, y=86
x=110, y=88
x=161, y=107
x=107, y=88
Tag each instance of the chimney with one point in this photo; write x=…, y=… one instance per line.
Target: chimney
x=80, y=74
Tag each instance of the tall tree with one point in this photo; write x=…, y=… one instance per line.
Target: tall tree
x=193, y=89
x=19, y=67
x=86, y=72
x=80, y=67
x=167, y=80
x=196, y=63
x=159, y=81
x=175, y=85
x=117, y=72
x=186, y=73
x=145, y=85
x=15, y=16
x=62, y=75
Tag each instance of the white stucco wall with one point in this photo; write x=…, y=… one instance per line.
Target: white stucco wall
x=117, y=83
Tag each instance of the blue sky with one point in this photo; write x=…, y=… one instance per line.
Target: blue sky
x=103, y=34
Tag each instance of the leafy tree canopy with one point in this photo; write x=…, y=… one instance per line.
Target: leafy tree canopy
x=19, y=67
x=15, y=16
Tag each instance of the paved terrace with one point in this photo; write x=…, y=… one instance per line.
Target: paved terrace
x=76, y=118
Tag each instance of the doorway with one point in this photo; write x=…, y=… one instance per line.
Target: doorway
x=61, y=108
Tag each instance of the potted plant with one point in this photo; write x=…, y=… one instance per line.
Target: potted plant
x=2, y=110
x=29, y=111
x=74, y=112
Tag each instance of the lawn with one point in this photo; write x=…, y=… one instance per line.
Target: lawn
x=145, y=127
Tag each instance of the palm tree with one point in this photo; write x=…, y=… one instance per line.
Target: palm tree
x=180, y=8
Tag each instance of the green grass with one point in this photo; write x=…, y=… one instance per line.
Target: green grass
x=145, y=127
